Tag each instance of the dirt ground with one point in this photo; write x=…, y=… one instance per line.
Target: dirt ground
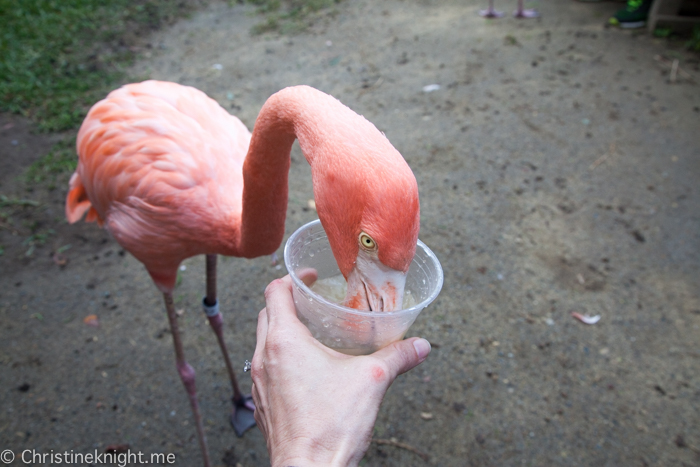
x=558, y=169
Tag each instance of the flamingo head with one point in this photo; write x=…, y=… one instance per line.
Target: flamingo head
x=370, y=211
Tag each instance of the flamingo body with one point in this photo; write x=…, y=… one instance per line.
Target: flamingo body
x=161, y=168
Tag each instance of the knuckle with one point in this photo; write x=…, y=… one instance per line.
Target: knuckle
x=379, y=370
x=256, y=374
x=273, y=286
x=276, y=345
x=257, y=369
x=405, y=353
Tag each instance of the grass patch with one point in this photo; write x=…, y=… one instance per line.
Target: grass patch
x=663, y=32
x=36, y=239
x=694, y=42
x=288, y=16
x=57, y=57
x=60, y=160
x=5, y=202
x=691, y=40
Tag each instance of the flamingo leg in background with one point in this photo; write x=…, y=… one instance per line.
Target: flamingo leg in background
x=242, y=416
x=187, y=376
x=522, y=13
x=490, y=12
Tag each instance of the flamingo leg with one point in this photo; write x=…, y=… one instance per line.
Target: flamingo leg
x=242, y=416
x=187, y=376
x=490, y=12
x=523, y=13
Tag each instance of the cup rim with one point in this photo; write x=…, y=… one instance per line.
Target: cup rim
x=406, y=311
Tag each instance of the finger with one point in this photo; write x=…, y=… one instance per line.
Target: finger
x=261, y=337
x=280, y=306
x=403, y=356
x=257, y=400
x=307, y=275
x=258, y=414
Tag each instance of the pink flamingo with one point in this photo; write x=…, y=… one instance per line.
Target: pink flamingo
x=171, y=175
x=520, y=12
x=490, y=12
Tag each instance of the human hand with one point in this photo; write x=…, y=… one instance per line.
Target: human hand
x=316, y=406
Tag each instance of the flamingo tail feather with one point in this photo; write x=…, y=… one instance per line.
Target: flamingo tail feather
x=77, y=203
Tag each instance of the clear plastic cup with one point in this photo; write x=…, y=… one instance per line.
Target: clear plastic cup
x=344, y=329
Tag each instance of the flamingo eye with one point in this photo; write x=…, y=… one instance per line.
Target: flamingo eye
x=367, y=243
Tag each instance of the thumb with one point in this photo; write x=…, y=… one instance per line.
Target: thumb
x=404, y=355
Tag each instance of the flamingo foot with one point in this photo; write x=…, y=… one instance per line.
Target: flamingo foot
x=242, y=417
x=490, y=13
x=526, y=14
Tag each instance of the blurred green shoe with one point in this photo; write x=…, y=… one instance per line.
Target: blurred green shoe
x=634, y=15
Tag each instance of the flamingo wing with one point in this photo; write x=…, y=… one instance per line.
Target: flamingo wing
x=161, y=165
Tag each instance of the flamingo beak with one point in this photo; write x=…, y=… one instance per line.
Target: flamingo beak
x=374, y=286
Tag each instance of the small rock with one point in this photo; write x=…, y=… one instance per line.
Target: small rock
x=91, y=320
x=426, y=415
x=117, y=448
x=586, y=318
x=59, y=259
x=680, y=442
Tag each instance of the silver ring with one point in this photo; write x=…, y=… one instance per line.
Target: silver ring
x=246, y=366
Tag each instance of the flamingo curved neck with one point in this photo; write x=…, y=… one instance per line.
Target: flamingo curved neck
x=360, y=181
x=293, y=113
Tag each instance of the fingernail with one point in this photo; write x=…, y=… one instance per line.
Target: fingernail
x=422, y=347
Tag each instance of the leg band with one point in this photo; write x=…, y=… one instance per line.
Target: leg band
x=210, y=310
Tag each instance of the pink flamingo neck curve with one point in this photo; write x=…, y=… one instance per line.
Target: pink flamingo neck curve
x=360, y=181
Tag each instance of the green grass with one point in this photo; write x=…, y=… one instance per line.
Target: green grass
x=57, y=57
x=694, y=42
x=61, y=160
x=37, y=239
x=663, y=32
x=5, y=202
x=288, y=16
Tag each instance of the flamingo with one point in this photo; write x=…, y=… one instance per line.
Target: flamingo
x=490, y=12
x=520, y=12
x=170, y=174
